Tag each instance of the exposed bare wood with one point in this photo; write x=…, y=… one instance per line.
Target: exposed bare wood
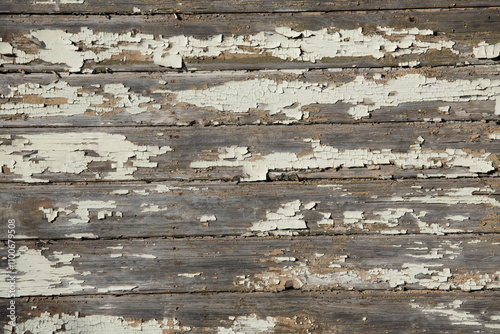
x=203, y=209
x=280, y=313
x=199, y=6
x=253, y=153
x=240, y=98
x=211, y=42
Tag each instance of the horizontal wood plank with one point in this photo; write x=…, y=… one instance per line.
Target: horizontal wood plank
x=242, y=98
x=64, y=267
x=231, y=41
x=203, y=6
x=256, y=313
x=130, y=210
x=253, y=153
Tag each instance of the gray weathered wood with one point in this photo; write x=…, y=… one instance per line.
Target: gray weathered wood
x=233, y=41
x=288, y=312
x=203, y=6
x=251, y=153
x=447, y=94
x=127, y=210
x=468, y=263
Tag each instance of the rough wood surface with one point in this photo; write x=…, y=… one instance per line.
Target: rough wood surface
x=245, y=98
x=183, y=265
x=211, y=209
x=288, y=312
x=252, y=153
x=250, y=166
x=215, y=42
x=204, y=6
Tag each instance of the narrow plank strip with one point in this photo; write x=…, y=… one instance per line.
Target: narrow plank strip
x=211, y=42
x=255, y=264
x=255, y=313
x=241, y=98
x=253, y=153
x=203, y=6
x=210, y=209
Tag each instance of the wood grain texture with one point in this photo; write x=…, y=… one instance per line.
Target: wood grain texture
x=245, y=98
x=179, y=265
x=250, y=166
x=279, y=313
x=252, y=41
x=199, y=6
x=253, y=153
x=212, y=209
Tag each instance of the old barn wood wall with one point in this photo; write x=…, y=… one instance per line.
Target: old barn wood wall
x=251, y=166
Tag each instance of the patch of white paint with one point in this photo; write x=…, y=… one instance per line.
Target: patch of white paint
x=96, y=324
x=452, y=312
x=61, y=99
x=40, y=275
x=494, y=136
x=72, y=153
x=285, y=219
x=283, y=43
x=327, y=219
x=251, y=324
x=288, y=97
x=454, y=196
x=49, y=213
x=146, y=207
x=324, y=156
x=188, y=275
x=208, y=218
x=485, y=50
x=410, y=274
x=57, y=2
x=82, y=235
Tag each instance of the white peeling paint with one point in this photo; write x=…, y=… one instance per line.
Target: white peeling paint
x=208, y=218
x=188, y=275
x=494, y=136
x=61, y=99
x=96, y=324
x=432, y=278
x=251, y=324
x=327, y=219
x=49, y=213
x=57, y=2
x=452, y=312
x=454, y=196
x=256, y=166
x=485, y=50
x=66, y=152
x=480, y=282
x=40, y=275
x=285, y=259
x=146, y=207
x=364, y=94
x=284, y=43
x=120, y=192
x=81, y=235
x=284, y=220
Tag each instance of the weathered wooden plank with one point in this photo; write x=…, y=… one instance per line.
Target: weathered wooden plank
x=238, y=98
x=254, y=264
x=232, y=41
x=204, y=6
x=251, y=153
x=288, y=312
x=211, y=209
